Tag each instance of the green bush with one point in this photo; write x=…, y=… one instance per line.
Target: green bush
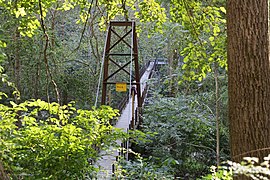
x=184, y=137
x=249, y=167
x=40, y=140
x=142, y=169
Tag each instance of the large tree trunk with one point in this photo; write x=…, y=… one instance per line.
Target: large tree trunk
x=249, y=78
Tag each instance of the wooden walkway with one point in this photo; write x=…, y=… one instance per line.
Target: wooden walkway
x=109, y=157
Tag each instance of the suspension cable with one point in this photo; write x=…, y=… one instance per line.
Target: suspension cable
x=130, y=67
x=130, y=81
x=101, y=70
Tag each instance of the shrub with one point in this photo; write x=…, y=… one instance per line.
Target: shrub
x=41, y=140
x=184, y=138
x=249, y=167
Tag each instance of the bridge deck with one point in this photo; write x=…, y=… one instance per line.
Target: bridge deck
x=109, y=157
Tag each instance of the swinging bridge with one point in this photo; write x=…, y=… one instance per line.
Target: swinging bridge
x=123, y=61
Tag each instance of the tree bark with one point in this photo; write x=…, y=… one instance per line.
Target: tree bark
x=249, y=82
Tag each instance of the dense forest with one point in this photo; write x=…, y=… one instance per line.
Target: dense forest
x=206, y=114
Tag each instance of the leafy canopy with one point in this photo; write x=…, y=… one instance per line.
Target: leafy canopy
x=205, y=37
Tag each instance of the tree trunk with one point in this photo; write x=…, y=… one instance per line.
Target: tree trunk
x=17, y=63
x=3, y=174
x=249, y=78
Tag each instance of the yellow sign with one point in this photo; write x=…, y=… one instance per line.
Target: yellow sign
x=121, y=87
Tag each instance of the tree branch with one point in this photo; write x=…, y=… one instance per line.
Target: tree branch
x=252, y=151
x=191, y=19
x=48, y=71
x=84, y=27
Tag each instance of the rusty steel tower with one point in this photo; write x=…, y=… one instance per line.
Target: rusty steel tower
x=125, y=39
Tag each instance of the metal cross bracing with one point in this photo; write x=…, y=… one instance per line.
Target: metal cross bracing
x=125, y=33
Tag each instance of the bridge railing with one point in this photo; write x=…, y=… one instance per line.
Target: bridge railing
x=144, y=93
x=124, y=101
x=144, y=67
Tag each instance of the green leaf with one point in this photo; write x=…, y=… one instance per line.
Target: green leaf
x=223, y=9
x=3, y=44
x=20, y=12
x=211, y=38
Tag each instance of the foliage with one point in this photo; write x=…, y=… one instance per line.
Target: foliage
x=42, y=140
x=2, y=55
x=141, y=169
x=26, y=11
x=219, y=174
x=141, y=10
x=185, y=135
x=249, y=167
x=5, y=82
x=150, y=11
x=205, y=36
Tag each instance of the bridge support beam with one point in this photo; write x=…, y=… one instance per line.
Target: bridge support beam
x=130, y=31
